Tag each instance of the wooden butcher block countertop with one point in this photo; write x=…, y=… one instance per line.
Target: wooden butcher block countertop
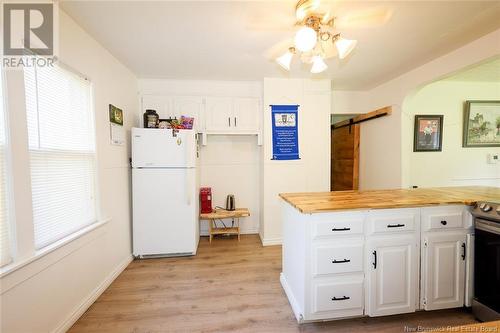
x=318, y=202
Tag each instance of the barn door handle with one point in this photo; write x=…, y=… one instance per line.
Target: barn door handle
x=375, y=260
x=341, y=229
x=343, y=298
x=463, y=251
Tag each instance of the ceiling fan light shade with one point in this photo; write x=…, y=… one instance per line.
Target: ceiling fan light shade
x=318, y=65
x=305, y=39
x=285, y=60
x=345, y=46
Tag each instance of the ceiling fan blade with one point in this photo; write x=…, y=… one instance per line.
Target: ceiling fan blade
x=366, y=18
x=278, y=49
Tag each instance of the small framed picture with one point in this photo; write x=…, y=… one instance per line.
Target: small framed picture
x=115, y=115
x=428, y=133
x=481, y=124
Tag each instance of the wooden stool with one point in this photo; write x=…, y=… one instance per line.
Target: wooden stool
x=219, y=214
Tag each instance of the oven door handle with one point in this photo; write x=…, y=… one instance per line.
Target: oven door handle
x=487, y=226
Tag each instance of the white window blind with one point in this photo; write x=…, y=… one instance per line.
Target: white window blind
x=5, y=245
x=62, y=152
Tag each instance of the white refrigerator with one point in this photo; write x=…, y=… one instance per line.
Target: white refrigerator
x=164, y=192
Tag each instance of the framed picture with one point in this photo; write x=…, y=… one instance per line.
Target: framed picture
x=428, y=133
x=115, y=115
x=481, y=124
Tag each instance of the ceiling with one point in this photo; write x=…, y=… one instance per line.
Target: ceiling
x=235, y=40
x=486, y=72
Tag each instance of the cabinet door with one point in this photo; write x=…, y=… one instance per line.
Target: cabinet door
x=443, y=272
x=392, y=275
x=189, y=106
x=246, y=114
x=163, y=105
x=219, y=114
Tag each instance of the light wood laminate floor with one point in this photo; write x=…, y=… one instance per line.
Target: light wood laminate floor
x=227, y=287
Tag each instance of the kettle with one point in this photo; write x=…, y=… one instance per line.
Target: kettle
x=230, y=202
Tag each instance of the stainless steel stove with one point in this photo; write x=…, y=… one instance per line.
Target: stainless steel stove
x=486, y=302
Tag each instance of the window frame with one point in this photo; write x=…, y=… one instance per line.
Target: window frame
x=23, y=251
x=97, y=207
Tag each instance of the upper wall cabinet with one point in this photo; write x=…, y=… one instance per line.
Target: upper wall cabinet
x=219, y=114
x=232, y=115
x=175, y=107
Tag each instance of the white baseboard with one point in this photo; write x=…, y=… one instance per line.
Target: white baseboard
x=66, y=324
x=291, y=299
x=271, y=241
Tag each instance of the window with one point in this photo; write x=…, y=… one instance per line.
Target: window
x=62, y=152
x=5, y=250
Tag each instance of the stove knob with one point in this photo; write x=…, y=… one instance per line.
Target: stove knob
x=482, y=205
x=498, y=210
x=486, y=208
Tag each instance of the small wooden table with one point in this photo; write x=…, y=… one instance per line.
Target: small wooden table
x=219, y=214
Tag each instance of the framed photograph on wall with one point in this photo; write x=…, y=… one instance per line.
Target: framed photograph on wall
x=428, y=133
x=481, y=124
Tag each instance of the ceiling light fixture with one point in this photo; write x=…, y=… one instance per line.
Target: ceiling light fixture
x=344, y=46
x=315, y=30
x=285, y=60
x=306, y=39
x=318, y=65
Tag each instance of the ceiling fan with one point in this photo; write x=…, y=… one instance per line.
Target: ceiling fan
x=315, y=38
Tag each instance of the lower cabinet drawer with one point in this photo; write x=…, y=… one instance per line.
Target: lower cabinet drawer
x=339, y=258
x=344, y=296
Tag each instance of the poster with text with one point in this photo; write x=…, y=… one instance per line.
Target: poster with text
x=285, y=132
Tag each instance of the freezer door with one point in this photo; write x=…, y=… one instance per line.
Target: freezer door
x=165, y=215
x=157, y=148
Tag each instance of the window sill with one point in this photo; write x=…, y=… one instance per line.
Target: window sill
x=38, y=254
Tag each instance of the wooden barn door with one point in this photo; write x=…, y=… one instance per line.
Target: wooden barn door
x=345, y=158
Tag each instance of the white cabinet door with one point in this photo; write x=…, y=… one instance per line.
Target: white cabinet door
x=163, y=105
x=219, y=114
x=246, y=114
x=190, y=106
x=443, y=272
x=392, y=275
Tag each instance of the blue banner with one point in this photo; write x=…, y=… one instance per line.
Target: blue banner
x=285, y=132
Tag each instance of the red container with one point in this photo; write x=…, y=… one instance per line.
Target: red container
x=205, y=200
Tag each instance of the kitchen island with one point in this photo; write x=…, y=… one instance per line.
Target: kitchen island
x=351, y=253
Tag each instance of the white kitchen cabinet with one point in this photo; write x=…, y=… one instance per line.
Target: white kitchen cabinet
x=443, y=270
x=218, y=114
x=163, y=105
x=232, y=115
x=392, y=273
x=190, y=106
x=246, y=114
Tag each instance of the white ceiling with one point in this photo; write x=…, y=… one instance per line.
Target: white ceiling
x=485, y=72
x=232, y=40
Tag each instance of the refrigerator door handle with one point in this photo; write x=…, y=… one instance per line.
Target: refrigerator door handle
x=188, y=187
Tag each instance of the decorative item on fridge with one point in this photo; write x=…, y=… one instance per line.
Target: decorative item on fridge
x=205, y=200
x=151, y=119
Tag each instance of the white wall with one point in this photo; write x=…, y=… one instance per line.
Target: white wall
x=48, y=294
x=312, y=172
x=383, y=149
x=455, y=165
x=229, y=164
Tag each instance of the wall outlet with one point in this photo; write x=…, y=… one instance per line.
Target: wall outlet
x=493, y=158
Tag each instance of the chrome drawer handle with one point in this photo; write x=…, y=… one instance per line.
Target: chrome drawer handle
x=340, y=261
x=341, y=229
x=343, y=298
x=395, y=225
